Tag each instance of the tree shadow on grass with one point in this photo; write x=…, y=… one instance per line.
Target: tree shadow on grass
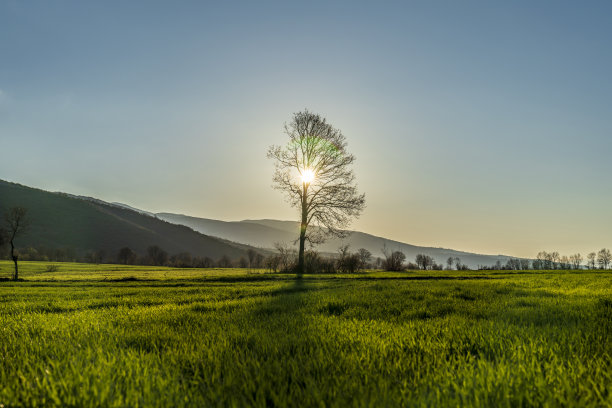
x=273, y=352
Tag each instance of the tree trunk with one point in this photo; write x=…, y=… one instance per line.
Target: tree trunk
x=303, y=225
x=15, y=257
x=301, y=265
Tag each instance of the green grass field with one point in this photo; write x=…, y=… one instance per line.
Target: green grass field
x=107, y=335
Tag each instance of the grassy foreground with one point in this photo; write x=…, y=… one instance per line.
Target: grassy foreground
x=86, y=336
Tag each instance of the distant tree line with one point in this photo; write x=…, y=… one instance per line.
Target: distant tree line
x=154, y=256
x=346, y=261
x=285, y=259
x=394, y=261
x=554, y=261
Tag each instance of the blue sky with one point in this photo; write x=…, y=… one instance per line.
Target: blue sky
x=481, y=126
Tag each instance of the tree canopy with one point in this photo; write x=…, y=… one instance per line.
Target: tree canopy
x=314, y=171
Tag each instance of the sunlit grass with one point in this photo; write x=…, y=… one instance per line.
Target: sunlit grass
x=173, y=337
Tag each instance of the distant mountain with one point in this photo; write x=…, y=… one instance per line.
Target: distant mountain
x=84, y=224
x=265, y=233
x=249, y=233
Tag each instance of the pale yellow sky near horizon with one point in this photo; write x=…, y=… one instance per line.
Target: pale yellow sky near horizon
x=454, y=233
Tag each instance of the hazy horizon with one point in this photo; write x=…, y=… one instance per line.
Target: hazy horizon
x=479, y=127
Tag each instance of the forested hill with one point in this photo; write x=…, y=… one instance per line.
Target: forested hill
x=59, y=220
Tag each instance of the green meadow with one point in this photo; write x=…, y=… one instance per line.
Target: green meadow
x=109, y=335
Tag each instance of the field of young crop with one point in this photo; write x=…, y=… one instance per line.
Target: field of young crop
x=108, y=335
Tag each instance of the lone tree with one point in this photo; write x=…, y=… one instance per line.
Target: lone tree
x=314, y=171
x=15, y=223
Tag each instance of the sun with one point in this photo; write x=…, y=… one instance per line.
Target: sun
x=307, y=176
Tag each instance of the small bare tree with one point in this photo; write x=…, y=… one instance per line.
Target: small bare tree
x=286, y=257
x=252, y=254
x=15, y=224
x=555, y=258
x=426, y=262
x=126, y=256
x=364, y=257
x=591, y=260
x=224, y=262
x=394, y=260
x=604, y=257
x=543, y=261
x=314, y=171
x=157, y=256
x=576, y=260
x=3, y=235
x=564, y=262
x=259, y=259
x=347, y=262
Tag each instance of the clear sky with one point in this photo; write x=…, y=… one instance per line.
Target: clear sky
x=480, y=126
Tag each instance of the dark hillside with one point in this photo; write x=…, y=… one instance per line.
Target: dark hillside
x=59, y=220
